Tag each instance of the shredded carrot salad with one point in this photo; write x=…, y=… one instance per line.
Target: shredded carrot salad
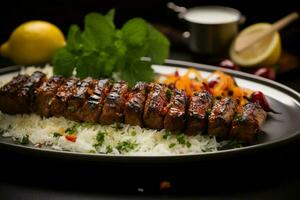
x=218, y=83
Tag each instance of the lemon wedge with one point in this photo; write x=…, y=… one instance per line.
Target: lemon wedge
x=265, y=52
x=33, y=42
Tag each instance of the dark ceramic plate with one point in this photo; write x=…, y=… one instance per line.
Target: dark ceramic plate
x=279, y=128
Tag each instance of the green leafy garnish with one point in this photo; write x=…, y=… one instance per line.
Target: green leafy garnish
x=182, y=140
x=126, y=146
x=99, y=139
x=24, y=140
x=55, y=134
x=172, y=145
x=100, y=49
x=109, y=149
x=168, y=93
x=72, y=130
x=167, y=135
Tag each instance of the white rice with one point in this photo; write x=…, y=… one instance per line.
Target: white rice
x=116, y=138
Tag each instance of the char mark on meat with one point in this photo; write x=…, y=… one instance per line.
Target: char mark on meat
x=11, y=100
x=45, y=94
x=92, y=107
x=155, y=106
x=58, y=105
x=220, y=119
x=134, y=107
x=83, y=90
x=247, y=123
x=113, y=109
x=176, y=116
x=197, y=113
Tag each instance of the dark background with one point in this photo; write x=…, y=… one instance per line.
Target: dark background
x=271, y=174
x=63, y=13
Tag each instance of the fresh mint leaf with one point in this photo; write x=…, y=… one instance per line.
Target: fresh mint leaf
x=89, y=65
x=98, y=32
x=110, y=15
x=101, y=49
x=74, y=40
x=159, y=45
x=137, y=71
x=64, y=62
x=135, y=32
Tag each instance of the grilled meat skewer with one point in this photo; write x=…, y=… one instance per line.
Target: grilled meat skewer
x=151, y=105
x=248, y=122
x=200, y=104
x=175, y=117
x=134, y=107
x=155, y=107
x=45, y=94
x=220, y=118
x=113, y=108
x=92, y=108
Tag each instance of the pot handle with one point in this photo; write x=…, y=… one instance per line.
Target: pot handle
x=242, y=20
x=180, y=10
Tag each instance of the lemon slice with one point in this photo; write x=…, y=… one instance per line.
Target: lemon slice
x=265, y=52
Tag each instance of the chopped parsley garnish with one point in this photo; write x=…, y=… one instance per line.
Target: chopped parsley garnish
x=100, y=49
x=188, y=144
x=172, y=145
x=72, y=130
x=55, y=134
x=182, y=140
x=24, y=140
x=99, y=139
x=168, y=93
x=166, y=135
x=109, y=149
x=118, y=126
x=126, y=146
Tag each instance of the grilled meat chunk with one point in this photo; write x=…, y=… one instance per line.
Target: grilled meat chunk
x=220, y=118
x=58, y=105
x=155, y=106
x=11, y=100
x=92, y=108
x=45, y=95
x=113, y=109
x=175, y=117
x=134, y=106
x=83, y=90
x=197, y=113
x=247, y=122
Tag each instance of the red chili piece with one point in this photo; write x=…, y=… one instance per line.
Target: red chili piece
x=71, y=138
x=259, y=98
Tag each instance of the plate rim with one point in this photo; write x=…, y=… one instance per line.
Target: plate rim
x=170, y=158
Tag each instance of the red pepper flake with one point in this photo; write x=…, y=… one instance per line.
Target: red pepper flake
x=164, y=110
x=71, y=138
x=164, y=185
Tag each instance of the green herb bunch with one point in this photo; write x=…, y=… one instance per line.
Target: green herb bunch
x=101, y=49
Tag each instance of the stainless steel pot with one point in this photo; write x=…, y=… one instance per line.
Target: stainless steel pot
x=209, y=38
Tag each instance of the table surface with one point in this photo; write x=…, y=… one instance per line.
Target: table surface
x=271, y=174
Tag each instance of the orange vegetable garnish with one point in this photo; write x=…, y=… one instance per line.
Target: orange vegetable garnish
x=222, y=85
